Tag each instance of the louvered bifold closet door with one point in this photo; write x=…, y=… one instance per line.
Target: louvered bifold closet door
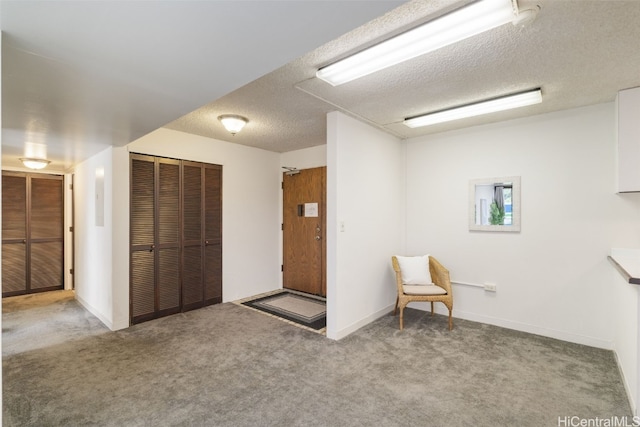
x=46, y=240
x=14, y=234
x=32, y=233
x=213, y=234
x=193, y=236
x=168, y=237
x=176, y=236
x=142, y=229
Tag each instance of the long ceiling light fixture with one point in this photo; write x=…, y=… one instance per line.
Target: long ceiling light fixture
x=468, y=21
x=508, y=102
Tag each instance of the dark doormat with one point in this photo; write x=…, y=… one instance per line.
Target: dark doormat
x=307, y=311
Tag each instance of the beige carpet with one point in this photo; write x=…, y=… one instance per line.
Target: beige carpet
x=231, y=366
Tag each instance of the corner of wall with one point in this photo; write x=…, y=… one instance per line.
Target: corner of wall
x=120, y=239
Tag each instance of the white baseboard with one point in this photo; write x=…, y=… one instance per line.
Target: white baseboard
x=363, y=322
x=531, y=329
x=634, y=409
x=107, y=322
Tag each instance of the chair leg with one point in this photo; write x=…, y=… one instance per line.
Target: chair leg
x=431, y=308
x=395, y=309
x=450, y=320
x=401, y=317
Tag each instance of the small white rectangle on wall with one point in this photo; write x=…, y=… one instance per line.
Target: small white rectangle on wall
x=311, y=210
x=99, y=197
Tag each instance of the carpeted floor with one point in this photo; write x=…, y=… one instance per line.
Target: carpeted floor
x=226, y=365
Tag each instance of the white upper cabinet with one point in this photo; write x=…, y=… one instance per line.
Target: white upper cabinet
x=628, y=114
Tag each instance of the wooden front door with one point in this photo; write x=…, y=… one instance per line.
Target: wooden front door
x=32, y=233
x=304, y=220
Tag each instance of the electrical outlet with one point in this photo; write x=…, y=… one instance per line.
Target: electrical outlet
x=491, y=287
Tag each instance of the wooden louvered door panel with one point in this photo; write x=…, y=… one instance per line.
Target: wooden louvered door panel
x=168, y=237
x=174, y=206
x=32, y=233
x=14, y=235
x=46, y=242
x=142, y=229
x=155, y=237
x=213, y=234
x=192, y=234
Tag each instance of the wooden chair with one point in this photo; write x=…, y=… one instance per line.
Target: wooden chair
x=441, y=292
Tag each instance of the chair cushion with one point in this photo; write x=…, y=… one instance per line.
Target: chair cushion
x=423, y=290
x=415, y=270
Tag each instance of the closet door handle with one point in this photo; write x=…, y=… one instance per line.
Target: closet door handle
x=152, y=248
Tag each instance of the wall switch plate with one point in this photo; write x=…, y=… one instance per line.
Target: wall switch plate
x=491, y=287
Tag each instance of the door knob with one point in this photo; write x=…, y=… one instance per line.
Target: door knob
x=318, y=237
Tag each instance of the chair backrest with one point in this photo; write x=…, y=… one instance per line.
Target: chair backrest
x=396, y=264
x=439, y=274
x=396, y=268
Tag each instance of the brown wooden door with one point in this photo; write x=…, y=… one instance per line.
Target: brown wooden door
x=142, y=236
x=193, y=239
x=155, y=237
x=176, y=236
x=212, y=234
x=32, y=233
x=167, y=238
x=202, y=235
x=304, y=220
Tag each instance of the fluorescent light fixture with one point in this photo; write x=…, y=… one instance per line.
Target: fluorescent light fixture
x=468, y=21
x=233, y=123
x=477, y=109
x=35, y=163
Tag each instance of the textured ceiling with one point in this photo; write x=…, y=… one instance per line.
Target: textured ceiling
x=579, y=52
x=79, y=76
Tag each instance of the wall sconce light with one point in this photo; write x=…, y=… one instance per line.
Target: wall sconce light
x=233, y=123
x=35, y=163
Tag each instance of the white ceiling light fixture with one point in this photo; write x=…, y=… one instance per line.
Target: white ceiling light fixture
x=233, y=123
x=468, y=21
x=35, y=163
x=508, y=102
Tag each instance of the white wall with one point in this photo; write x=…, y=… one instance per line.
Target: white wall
x=250, y=207
x=365, y=193
x=93, y=244
x=306, y=158
x=120, y=242
x=553, y=277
